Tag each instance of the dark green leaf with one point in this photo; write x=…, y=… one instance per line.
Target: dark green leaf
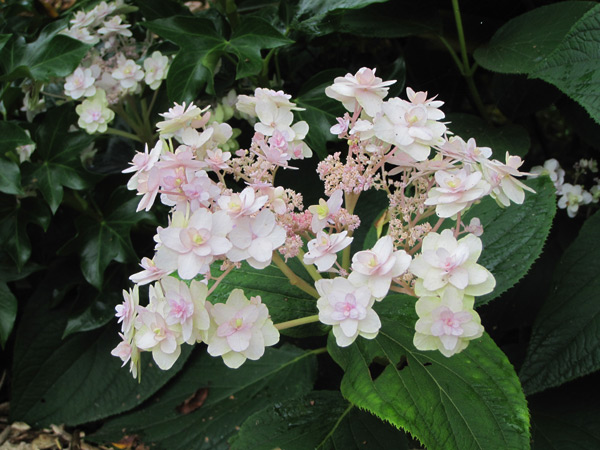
x=8, y=312
x=157, y=9
x=10, y=178
x=320, y=111
x=4, y=39
x=564, y=339
x=285, y=302
x=523, y=42
x=311, y=13
x=58, y=152
x=51, y=55
x=513, y=237
x=75, y=380
x=472, y=400
x=322, y=420
x=224, y=398
x=574, y=67
x=11, y=136
x=508, y=138
x=99, y=312
x=104, y=240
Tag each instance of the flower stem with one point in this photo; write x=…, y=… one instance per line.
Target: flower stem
x=295, y=280
x=297, y=322
x=122, y=133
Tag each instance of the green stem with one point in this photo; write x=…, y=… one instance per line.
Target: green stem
x=297, y=322
x=453, y=54
x=122, y=133
x=295, y=280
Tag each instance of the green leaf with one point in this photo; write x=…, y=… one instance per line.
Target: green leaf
x=4, y=39
x=523, y=42
x=156, y=9
x=285, y=302
x=321, y=420
x=253, y=35
x=10, y=178
x=15, y=216
x=58, y=151
x=472, y=400
x=51, y=55
x=8, y=312
x=76, y=380
x=574, y=67
x=230, y=396
x=566, y=418
x=564, y=339
x=320, y=111
x=99, y=312
x=107, y=239
x=11, y=136
x=513, y=139
x=512, y=234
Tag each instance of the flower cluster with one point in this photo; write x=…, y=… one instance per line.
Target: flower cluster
x=571, y=196
x=114, y=67
x=390, y=145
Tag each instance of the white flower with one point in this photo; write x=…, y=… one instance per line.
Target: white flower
x=245, y=203
x=322, y=251
x=143, y=162
x=325, y=210
x=468, y=152
x=127, y=311
x=178, y=118
x=254, y=239
x=156, y=67
x=363, y=88
x=551, y=168
x=82, y=35
x=446, y=324
x=113, y=27
x=457, y=189
x=572, y=197
x=444, y=261
x=242, y=329
x=149, y=274
x=505, y=188
x=375, y=268
x=348, y=308
x=80, y=84
x=186, y=307
x=128, y=73
x=94, y=113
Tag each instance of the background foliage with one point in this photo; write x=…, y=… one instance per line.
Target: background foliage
x=528, y=82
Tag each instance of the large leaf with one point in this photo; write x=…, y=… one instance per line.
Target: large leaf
x=513, y=237
x=521, y=43
x=508, y=138
x=105, y=239
x=321, y=420
x=76, y=380
x=320, y=111
x=209, y=401
x=202, y=46
x=11, y=136
x=58, y=151
x=95, y=314
x=10, y=178
x=472, y=400
x=564, y=341
x=51, y=55
x=285, y=302
x=556, y=43
x=8, y=312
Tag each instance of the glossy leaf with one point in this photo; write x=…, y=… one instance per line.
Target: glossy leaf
x=285, y=302
x=514, y=234
x=97, y=313
x=209, y=400
x=11, y=136
x=320, y=420
x=472, y=400
x=50, y=55
x=75, y=380
x=564, y=340
x=523, y=42
x=508, y=138
x=8, y=312
x=10, y=178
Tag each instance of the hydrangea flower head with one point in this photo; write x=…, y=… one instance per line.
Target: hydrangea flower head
x=94, y=113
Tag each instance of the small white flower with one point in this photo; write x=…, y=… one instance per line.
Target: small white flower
x=551, y=168
x=323, y=250
x=94, y=113
x=156, y=67
x=572, y=197
x=128, y=73
x=113, y=27
x=457, y=189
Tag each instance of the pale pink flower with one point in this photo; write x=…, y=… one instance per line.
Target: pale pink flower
x=506, y=188
x=82, y=34
x=160, y=338
x=245, y=203
x=348, y=308
x=474, y=227
x=126, y=312
x=180, y=117
x=94, y=113
x=217, y=159
x=432, y=105
x=128, y=73
x=467, y=152
x=186, y=307
x=155, y=67
x=457, y=189
x=375, y=268
x=444, y=261
x=341, y=127
x=114, y=27
x=242, y=329
x=191, y=246
x=143, y=162
x=325, y=210
x=80, y=84
x=255, y=238
x=446, y=324
x=322, y=251
x=149, y=274
x=363, y=88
